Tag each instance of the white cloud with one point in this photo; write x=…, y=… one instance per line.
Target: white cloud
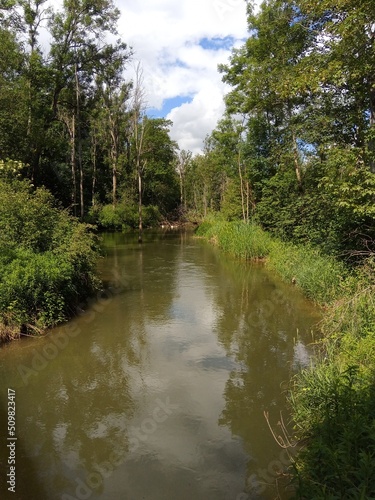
x=165, y=36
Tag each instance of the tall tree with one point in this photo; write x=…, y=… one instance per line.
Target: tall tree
x=139, y=129
x=114, y=99
x=183, y=158
x=78, y=49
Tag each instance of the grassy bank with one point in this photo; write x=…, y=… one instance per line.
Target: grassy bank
x=47, y=260
x=332, y=402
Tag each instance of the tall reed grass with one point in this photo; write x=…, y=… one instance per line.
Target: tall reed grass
x=246, y=241
x=319, y=276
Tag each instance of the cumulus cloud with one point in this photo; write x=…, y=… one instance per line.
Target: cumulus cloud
x=180, y=45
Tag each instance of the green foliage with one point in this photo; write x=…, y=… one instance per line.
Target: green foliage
x=125, y=216
x=231, y=207
x=334, y=412
x=319, y=276
x=354, y=312
x=47, y=259
x=246, y=241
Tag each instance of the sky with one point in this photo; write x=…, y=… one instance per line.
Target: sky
x=179, y=44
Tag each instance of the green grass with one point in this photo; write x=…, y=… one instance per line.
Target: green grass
x=238, y=239
x=320, y=277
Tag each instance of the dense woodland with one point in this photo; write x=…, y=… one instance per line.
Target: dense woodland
x=295, y=150
x=73, y=120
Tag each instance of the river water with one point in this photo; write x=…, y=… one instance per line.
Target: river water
x=157, y=390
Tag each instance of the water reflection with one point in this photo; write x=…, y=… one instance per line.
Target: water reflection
x=160, y=394
x=266, y=327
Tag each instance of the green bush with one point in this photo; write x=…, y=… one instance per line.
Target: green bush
x=111, y=217
x=47, y=259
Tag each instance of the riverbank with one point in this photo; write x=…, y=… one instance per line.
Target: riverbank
x=333, y=402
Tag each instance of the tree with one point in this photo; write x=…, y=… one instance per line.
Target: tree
x=113, y=115
x=139, y=129
x=183, y=158
x=13, y=97
x=78, y=51
x=160, y=184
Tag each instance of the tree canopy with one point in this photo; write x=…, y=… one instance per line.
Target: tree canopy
x=295, y=148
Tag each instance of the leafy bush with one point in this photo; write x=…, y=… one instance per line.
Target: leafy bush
x=47, y=259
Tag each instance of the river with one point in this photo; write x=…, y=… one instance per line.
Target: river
x=157, y=390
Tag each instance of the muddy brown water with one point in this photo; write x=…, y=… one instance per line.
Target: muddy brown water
x=157, y=390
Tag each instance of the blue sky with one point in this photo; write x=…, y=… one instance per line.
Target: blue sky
x=168, y=105
x=217, y=43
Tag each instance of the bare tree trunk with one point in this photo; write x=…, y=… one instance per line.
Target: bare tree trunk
x=114, y=184
x=79, y=139
x=114, y=159
x=140, y=225
x=93, y=185
x=247, y=201
x=296, y=161
x=371, y=144
x=241, y=186
x=73, y=163
x=205, y=200
x=139, y=126
x=181, y=190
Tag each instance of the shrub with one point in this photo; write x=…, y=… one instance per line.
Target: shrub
x=47, y=259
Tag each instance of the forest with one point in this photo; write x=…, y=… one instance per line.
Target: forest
x=75, y=123
x=295, y=148
x=292, y=158
x=293, y=152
